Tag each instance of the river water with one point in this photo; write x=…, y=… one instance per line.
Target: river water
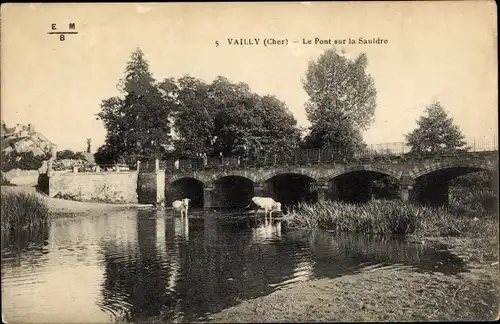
x=148, y=265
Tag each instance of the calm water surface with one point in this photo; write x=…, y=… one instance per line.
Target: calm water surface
x=145, y=265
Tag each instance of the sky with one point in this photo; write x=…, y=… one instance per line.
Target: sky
x=442, y=51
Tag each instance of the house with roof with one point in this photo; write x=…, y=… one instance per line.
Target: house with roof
x=24, y=138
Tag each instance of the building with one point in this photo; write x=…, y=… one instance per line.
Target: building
x=24, y=138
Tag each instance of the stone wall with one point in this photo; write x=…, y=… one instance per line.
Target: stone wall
x=151, y=187
x=112, y=187
x=22, y=177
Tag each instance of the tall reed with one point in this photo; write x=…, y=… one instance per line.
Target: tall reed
x=21, y=211
x=379, y=217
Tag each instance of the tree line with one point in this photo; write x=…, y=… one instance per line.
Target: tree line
x=227, y=117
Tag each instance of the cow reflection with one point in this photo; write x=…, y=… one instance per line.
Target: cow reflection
x=181, y=227
x=267, y=230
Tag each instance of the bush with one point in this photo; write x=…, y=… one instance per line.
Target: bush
x=21, y=211
x=23, y=161
x=69, y=155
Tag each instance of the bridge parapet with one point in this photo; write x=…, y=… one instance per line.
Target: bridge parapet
x=322, y=173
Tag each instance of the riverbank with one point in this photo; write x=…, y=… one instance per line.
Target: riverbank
x=67, y=208
x=383, y=294
x=388, y=293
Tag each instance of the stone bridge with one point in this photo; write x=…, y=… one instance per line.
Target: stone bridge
x=325, y=180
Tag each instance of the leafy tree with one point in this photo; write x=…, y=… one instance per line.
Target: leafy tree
x=68, y=154
x=280, y=132
x=342, y=101
x=227, y=117
x=137, y=124
x=106, y=155
x=194, y=116
x=89, y=143
x=436, y=132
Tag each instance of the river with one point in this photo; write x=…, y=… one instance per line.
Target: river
x=148, y=265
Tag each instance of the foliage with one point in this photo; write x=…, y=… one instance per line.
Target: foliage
x=106, y=155
x=342, y=101
x=137, y=123
x=220, y=117
x=228, y=118
x=23, y=161
x=474, y=194
x=22, y=210
x=70, y=155
x=386, y=187
x=436, y=132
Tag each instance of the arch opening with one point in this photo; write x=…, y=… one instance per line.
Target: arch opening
x=291, y=188
x=433, y=188
x=185, y=188
x=363, y=185
x=232, y=192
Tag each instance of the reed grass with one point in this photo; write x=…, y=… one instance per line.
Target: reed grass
x=21, y=211
x=382, y=217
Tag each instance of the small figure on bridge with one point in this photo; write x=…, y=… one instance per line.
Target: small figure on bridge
x=176, y=164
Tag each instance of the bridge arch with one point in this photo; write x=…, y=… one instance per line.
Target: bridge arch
x=357, y=168
x=431, y=182
x=442, y=166
x=175, y=177
x=232, y=189
x=185, y=187
x=282, y=171
x=235, y=173
x=361, y=183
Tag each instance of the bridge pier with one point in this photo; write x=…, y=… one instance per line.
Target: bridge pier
x=406, y=190
x=208, y=197
x=259, y=190
x=323, y=191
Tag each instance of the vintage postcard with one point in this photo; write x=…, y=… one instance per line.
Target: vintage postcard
x=249, y=162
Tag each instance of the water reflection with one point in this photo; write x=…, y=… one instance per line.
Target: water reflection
x=144, y=266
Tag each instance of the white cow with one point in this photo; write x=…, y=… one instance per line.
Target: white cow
x=268, y=204
x=182, y=206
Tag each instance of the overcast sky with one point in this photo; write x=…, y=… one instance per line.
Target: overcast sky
x=436, y=51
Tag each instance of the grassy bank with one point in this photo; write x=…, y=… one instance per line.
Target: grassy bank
x=21, y=210
x=476, y=232
x=385, y=217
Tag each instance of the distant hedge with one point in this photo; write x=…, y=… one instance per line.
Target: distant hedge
x=23, y=161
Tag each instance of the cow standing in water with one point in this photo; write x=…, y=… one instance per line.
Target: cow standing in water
x=266, y=203
x=182, y=206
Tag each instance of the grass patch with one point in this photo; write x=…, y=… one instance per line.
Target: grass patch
x=21, y=211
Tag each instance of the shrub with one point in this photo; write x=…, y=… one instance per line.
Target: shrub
x=21, y=211
x=23, y=161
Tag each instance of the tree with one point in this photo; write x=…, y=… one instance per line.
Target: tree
x=194, y=116
x=89, y=143
x=227, y=117
x=280, y=132
x=342, y=100
x=436, y=132
x=68, y=154
x=137, y=124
